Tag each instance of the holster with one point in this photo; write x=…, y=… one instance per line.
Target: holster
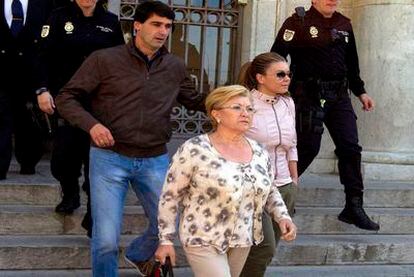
x=310, y=120
x=310, y=115
x=47, y=124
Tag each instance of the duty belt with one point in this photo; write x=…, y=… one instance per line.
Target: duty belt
x=332, y=85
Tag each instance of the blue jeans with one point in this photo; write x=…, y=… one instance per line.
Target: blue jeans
x=110, y=176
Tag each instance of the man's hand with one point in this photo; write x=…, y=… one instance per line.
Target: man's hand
x=367, y=102
x=164, y=251
x=101, y=136
x=46, y=103
x=288, y=229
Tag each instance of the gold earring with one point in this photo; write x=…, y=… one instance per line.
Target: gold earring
x=218, y=120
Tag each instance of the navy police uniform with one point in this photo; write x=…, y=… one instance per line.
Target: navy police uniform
x=17, y=54
x=66, y=41
x=324, y=62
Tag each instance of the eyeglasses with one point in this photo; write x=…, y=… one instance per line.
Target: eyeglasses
x=237, y=108
x=282, y=74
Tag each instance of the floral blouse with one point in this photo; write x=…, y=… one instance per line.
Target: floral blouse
x=220, y=201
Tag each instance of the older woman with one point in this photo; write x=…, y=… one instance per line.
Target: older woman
x=268, y=77
x=223, y=182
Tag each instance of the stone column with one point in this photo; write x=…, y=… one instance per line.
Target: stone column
x=384, y=32
x=259, y=27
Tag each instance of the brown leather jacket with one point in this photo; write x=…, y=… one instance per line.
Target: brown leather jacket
x=132, y=101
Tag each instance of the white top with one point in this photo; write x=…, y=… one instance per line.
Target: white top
x=8, y=12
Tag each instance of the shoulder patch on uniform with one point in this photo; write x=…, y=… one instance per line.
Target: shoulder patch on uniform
x=45, y=31
x=288, y=35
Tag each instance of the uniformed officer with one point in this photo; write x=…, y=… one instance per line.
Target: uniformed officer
x=72, y=33
x=324, y=62
x=20, y=25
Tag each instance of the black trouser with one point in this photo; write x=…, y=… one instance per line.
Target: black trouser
x=340, y=119
x=16, y=119
x=70, y=152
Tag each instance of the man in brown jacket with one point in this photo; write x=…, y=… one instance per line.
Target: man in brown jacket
x=132, y=90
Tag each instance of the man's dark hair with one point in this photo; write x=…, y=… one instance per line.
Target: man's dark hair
x=148, y=8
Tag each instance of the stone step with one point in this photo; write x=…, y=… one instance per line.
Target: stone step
x=341, y=271
x=178, y=272
x=72, y=252
x=346, y=250
x=321, y=220
x=29, y=189
x=42, y=220
x=315, y=190
x=272, y=271
x=32, y=190
x=326, y=190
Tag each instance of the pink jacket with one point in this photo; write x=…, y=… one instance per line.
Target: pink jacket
x=274, y=127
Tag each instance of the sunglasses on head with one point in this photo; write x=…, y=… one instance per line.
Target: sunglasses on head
x=282, y=74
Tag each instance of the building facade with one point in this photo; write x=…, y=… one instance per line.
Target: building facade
x=216, y=36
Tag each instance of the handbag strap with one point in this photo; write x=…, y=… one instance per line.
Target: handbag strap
x=167, y=268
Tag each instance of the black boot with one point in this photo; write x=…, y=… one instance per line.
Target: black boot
x=354, y=213
x=68, y=204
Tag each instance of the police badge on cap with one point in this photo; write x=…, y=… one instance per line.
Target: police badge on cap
x=288, y=35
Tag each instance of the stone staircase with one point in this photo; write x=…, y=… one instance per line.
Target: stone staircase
x=35, y=241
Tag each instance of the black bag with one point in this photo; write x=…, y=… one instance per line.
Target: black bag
x=165, y=270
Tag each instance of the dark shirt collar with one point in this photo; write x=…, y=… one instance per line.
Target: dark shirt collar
x=135, y=50
x=145, y=57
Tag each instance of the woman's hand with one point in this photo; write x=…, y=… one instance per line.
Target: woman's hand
x=164, y=251
x=288, y=229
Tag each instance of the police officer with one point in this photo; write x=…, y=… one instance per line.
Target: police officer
x=324, y=62
x=72, y=33
x=20, y=25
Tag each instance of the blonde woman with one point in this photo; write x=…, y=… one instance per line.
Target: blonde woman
x=223, y=182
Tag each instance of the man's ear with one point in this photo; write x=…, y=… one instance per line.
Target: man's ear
x=137, y=26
